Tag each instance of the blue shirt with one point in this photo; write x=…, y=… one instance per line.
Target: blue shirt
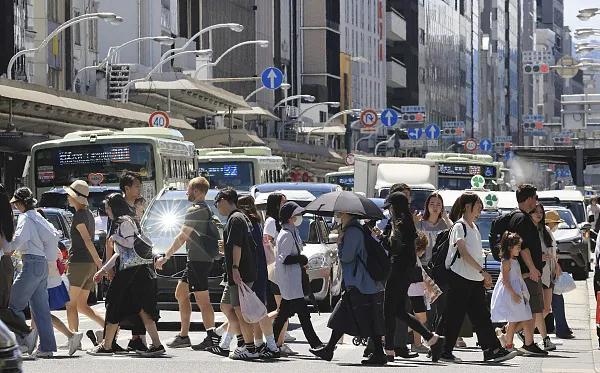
x=354, y=272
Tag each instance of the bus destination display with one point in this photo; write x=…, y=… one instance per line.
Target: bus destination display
x=91, y=156
x=449, y=169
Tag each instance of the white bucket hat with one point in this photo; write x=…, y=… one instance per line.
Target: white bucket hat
x=80, y=191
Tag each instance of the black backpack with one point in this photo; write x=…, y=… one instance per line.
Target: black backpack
x=499, y=225
x=210, y=240
x=437, y=266
x=378, y=263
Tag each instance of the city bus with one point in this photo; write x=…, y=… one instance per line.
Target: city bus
x=343, y=177
x=455, y=170
x=160, y=156
x=240, y=167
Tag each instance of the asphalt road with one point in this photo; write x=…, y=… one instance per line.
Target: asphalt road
x=573, y=356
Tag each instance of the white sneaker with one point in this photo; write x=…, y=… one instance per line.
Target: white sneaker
x=74, y=343
x=30, y=341
x=288, y=338
x=242, y=353
x=42, y=354
x=285, y=350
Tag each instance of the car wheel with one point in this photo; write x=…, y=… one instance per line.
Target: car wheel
x=580, y=273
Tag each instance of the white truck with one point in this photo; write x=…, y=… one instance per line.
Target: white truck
x=374, y=176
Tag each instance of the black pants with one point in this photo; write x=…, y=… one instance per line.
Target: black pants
x=467, y=297
x=289, y=308
x=6, y=279
x=396, y=290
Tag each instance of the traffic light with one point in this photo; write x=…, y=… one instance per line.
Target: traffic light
x=529, y=126
x=457, y=131
x=536, y=68
x=413, y=117
x=562, y=139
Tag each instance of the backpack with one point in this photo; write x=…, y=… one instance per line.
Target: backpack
x=141, y=244
x=212, y=236
x=499, y=225
x=437, y=266
x=378, y=263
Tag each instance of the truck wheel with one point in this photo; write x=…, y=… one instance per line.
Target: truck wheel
x=580, y=273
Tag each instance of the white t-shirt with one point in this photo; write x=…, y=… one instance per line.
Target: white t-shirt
x=271, y=228
x=473, y=243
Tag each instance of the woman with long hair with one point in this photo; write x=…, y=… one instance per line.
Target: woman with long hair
x=133, y=290
x=268, y=349
x=404, y=259
x=467, y=283
x=7, y=230
x=545, y=222
x=271, y=230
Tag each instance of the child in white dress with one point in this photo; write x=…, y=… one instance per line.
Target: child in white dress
x=510, y=299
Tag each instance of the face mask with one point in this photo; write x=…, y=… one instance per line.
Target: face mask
x=298, y=221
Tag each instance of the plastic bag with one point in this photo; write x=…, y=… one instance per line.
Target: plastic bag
x=564, y=284
x=431, y=291
x=253, y=309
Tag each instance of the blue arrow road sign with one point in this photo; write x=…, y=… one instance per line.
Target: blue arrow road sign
x=389, y=117
x=485, y=145
x=432, y=131
x=272, y=78
x=415, y=133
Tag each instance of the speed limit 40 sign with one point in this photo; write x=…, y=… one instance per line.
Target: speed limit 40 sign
x=159, y=119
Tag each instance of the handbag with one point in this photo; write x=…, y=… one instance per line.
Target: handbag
x=253, y=309
x=564, y=284
x=431, y=290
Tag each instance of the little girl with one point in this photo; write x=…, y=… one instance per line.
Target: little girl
x=510, y=298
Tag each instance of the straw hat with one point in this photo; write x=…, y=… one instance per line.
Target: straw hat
x=552, y=217
x=80, y=191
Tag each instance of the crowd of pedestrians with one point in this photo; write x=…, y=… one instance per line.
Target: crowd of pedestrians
x=268, y=259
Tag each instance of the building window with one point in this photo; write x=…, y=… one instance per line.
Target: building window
x=77, y=29
x=53, y=10
x=93, y=34
x=53, y=77
x=322, y=116
x=422, y=36
x=165, y=18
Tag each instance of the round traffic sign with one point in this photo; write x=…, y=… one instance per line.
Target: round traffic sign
x=566, y=67
x=471, y=145
x=368, y=117
x=271, y=78
x=159, y=119
x=350, y=159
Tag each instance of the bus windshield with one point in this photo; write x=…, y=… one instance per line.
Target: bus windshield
x=238, y=175
x=62, y=165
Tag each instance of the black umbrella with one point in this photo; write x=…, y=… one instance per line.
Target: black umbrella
x=343, y=201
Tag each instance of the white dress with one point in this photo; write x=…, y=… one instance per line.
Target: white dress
x=504, y=308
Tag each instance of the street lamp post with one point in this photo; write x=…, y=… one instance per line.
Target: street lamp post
x=113, y=52
x=262, y=87
x=582, y=33
x=261, y=43
x=108, y=17
x=308, y=98
x=586, y=14
x=125, y=90
x=335, y=116
x=236, y=27
x=328, y=103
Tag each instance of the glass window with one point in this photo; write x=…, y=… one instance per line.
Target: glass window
x=77, y=28
x=62, y=165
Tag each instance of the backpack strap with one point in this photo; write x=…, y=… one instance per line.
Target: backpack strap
x=457, y=253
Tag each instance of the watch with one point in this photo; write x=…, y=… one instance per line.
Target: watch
x=235, y=266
